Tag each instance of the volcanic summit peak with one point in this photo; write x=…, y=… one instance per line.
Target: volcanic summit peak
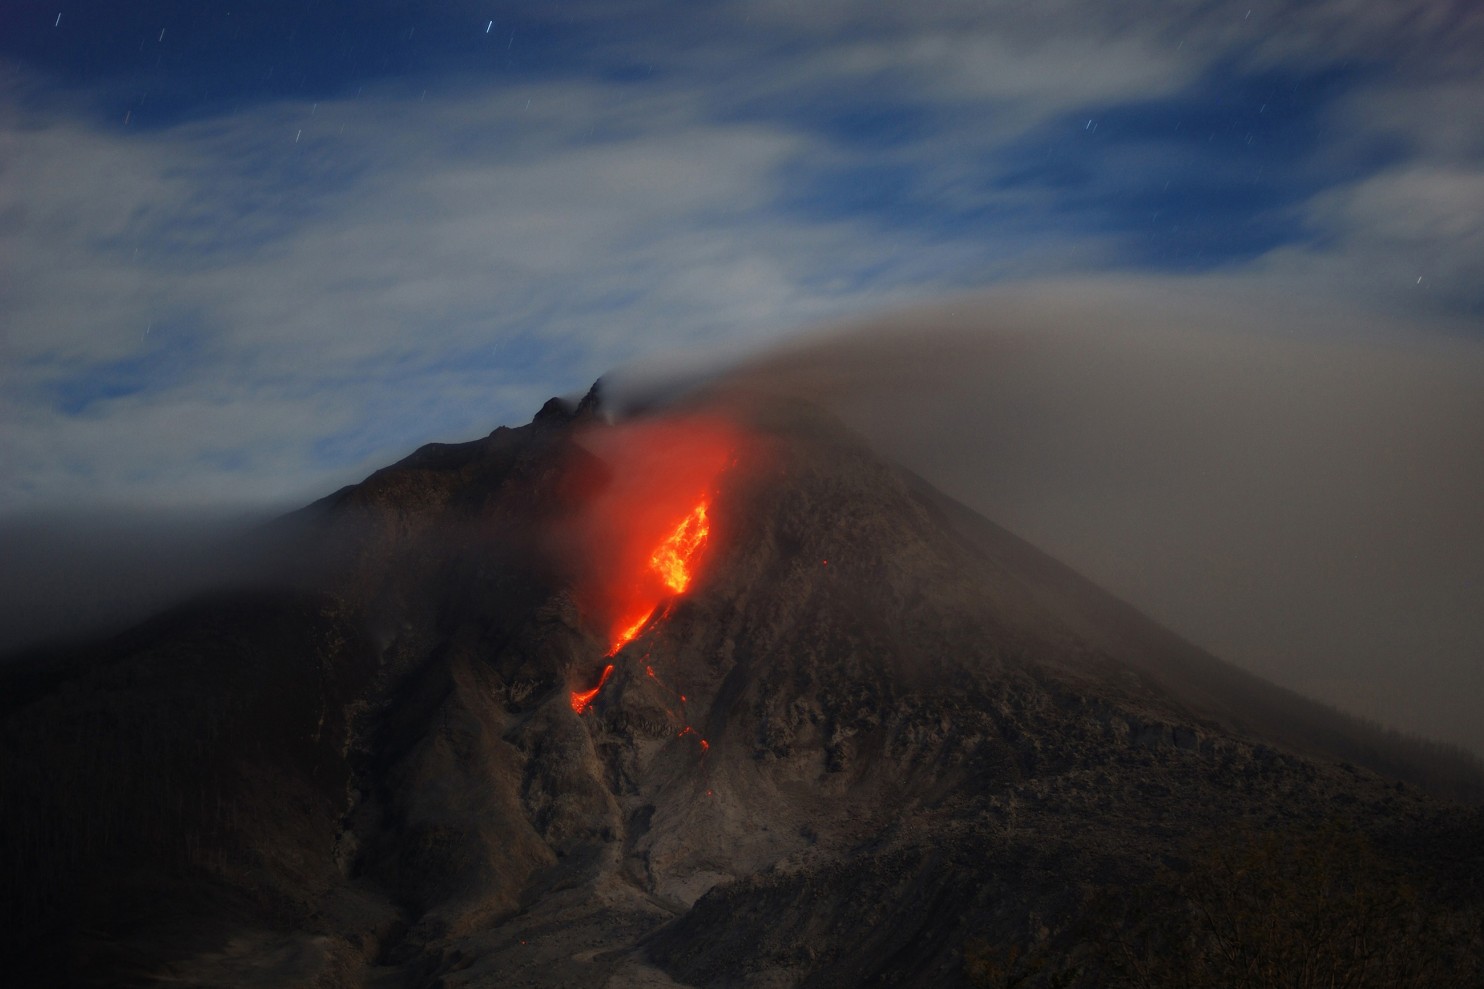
x=560, y=411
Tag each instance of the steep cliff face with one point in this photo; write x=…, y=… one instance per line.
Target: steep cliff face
x=495, y=739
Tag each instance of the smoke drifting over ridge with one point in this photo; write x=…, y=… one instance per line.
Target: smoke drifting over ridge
x=1291, y=485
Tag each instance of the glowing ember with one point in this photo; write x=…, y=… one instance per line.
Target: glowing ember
x=582, y=698
x=688, y=730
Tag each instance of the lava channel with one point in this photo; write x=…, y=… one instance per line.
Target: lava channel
x=673, y=562
x=641, y=538
x=582, y=698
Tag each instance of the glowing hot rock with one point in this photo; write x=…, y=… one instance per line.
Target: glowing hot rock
x=641, y=535
x=672, y=562
x=582, y=698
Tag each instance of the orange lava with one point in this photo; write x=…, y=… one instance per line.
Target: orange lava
x=640, y=537
x=671, y=568
x=641, y=534
x=672, y=559
x=626, y=633
x=672, y=562
x=582, y=698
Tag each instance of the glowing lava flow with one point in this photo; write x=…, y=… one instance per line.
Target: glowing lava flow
x=582, y=698
x=643, y=521
x=672, y=562
x=626, y=635
x=672, y=558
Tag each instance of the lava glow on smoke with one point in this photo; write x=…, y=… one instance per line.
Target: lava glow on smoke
x=642, y=536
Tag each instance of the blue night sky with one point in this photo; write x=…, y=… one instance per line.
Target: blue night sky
x=253, y=250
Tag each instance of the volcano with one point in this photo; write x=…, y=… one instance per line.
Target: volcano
x=710, y=696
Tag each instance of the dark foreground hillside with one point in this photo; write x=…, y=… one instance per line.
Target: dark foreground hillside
x=851, y=735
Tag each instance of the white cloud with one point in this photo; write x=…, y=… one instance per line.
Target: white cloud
x=419, y=270
x=69, y=199
x=1414, y=208
x=381, y=271
x=1439, y=120
x=1409, y=240
x=1044, y=76
x=1270, y=31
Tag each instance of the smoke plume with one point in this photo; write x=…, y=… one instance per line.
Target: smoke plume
x=1292, y=485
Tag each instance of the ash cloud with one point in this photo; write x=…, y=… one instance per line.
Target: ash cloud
x=71, y=576
x=1287, y=482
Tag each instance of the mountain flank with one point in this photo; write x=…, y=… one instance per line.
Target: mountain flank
x=710, y=696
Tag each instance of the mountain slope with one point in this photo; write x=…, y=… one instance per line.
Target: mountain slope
x=1211, y=688
x=847, y=733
